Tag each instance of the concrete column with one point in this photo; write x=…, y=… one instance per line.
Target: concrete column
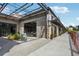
x=53, y=30
x=57, y=30
x=21, y=28
x=61, y=30
x=18, y=27
x=41, y=28
x=38, y=27
x=49, y=31
x=48, y=19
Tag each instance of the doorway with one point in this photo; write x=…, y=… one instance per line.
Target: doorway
x=30, y=29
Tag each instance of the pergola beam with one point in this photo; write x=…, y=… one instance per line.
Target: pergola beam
x=26, y=7
x=32, y=11
x=3, y=6
x=44, y=6
x=19, y=8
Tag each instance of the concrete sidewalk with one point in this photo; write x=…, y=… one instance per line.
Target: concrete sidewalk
x=27, y=47
x=59, y=46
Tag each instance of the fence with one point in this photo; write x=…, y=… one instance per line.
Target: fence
x=75, y=40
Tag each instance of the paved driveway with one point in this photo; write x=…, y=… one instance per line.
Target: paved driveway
x=6, y=45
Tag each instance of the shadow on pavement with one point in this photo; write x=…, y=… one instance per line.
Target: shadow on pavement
x=6, y=45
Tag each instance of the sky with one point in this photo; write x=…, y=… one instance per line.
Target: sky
x=67, y=12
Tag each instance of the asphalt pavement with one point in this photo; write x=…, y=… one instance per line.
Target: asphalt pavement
x=6, y=45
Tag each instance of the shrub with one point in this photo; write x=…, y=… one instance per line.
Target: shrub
x=23, y=37
x=15, y=36
x=10, y=36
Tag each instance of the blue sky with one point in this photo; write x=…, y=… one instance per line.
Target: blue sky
x=67, y=12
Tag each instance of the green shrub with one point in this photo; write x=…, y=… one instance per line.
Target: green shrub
x=71, y=30
x=10, y=36
x=15, y=36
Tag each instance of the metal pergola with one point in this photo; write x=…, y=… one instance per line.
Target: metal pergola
x=21, y=8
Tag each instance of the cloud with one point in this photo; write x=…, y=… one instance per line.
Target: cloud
x=77, y=18
x=68, y=24
x=72, y=24
x=58, y=9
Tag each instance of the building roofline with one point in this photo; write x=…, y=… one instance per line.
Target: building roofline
x=56, y=17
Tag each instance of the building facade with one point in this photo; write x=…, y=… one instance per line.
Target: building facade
x=40, y=24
